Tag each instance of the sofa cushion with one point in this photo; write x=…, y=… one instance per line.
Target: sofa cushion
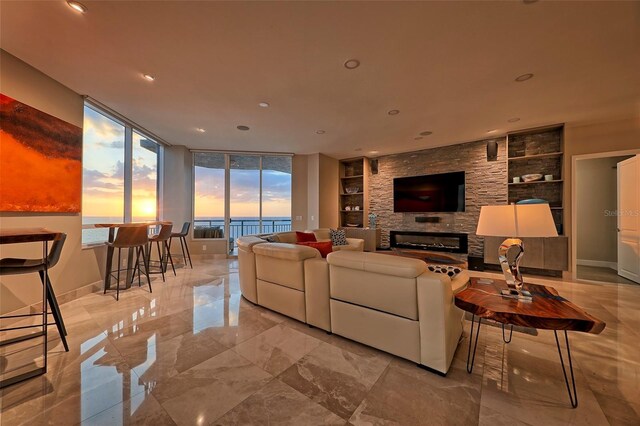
x=286, y=237
x=378, y=263
x=321, y=234
x=284, y=251
x=324, y=247
x=338, y=237
x=305, y=237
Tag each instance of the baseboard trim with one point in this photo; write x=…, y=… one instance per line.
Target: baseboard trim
x=598, y=263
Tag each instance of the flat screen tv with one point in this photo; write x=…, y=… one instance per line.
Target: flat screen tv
x=429, y=193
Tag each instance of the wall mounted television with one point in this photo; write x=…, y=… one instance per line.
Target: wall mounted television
x=444, y=192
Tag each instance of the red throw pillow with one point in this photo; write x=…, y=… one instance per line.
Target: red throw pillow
x=305, y=237
x=324, y=247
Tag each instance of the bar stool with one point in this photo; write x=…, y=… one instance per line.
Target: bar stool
x=162, y=238
x=11, y=266
x=183, y=242
x=131, y=237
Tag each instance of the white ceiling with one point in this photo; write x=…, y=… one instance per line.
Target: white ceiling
x=448, y=67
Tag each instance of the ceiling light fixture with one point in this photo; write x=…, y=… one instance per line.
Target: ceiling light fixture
x=426, y=133
x=373, y=152
x=524, y=77
x=77, y=6
x=243, y=128
x=200, y=130
x=148, y=77
x=351, y=64
x=263, y=105
x=492, y=131
x=513, y=120
x=394, y=112
x=320, y=132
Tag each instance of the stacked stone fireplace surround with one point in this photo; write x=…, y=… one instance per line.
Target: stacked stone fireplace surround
x=486, y=184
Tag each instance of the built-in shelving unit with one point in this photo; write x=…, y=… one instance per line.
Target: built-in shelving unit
x=538, y=151
x=354, y=177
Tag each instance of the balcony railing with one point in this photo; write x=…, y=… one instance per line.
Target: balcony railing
x=214, y=228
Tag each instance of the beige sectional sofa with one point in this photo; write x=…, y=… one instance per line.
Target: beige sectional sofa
x=389, y=302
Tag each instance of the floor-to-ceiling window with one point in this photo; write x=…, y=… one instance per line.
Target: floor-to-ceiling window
x=120, y=174
x=241, y=194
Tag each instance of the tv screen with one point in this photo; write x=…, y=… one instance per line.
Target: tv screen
x=430, y=193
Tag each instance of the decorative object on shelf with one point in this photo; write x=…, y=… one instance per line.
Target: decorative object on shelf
x=41, y=162
x=348, y=171
x=356, y=208
x=352, y=190
x=348, y=208
x=516, y=221
x=516, y=179
x=548, y=177
x=352, y=225
x=533, y=177
x=373, y=218
x=533, y=201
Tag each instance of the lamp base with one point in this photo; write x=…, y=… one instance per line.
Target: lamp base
x=511, y=270
x=522, y=295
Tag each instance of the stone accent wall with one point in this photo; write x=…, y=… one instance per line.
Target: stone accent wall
x=486, y=183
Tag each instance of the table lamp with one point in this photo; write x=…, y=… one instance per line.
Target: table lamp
x=515, y=221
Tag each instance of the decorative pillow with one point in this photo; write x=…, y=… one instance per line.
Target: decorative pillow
x=338, y=237
x=305, y=237
x=451, y=271
x=324, y=247
x=271, y=238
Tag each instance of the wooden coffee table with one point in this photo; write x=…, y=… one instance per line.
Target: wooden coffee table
x=547, y=311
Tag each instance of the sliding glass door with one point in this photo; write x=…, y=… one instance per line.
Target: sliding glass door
x=256, y=189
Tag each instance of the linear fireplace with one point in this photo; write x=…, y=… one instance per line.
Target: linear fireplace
x=449, y=242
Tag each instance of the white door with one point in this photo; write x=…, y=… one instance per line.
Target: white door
x=628, y=219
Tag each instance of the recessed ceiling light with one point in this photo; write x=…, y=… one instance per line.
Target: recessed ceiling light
x=77, y=6
x=373, y=152
x=513, y=120
x=200, y=130
x=320, y=132
x=263, y=105
x=524, y=77
x=426, y=133
x=358, y=149
x=418, y=138
x=243, y=128
x=492, y=131
x=352, y=64
x=148, y=77
x=394, y=112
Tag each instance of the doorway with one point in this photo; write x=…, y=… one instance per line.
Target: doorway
x=595, y=221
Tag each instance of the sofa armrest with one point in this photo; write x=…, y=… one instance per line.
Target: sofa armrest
x=440, y=321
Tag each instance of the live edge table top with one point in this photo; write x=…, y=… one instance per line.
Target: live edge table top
x=548, y=310
x=26, y=235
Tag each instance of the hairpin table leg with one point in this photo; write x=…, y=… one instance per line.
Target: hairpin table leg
x=510, y=334
x=573, y=396
x=472, y=357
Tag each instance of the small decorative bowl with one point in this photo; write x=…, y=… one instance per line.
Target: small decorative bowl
x=352, y=190
x=532, y=177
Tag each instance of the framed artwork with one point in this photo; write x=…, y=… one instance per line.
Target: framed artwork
x=40, y=160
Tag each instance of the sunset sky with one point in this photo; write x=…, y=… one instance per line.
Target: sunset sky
x=103, y=180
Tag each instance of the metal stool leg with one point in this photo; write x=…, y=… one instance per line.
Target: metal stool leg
x=145, y=259
x=510, y=334
x=166, y=246
x=573, y=397
x=118, y=277
x=55, y=310
x=183, y=240
x=161, y=260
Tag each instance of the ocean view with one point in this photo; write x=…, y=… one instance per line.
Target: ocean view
x=206, y=227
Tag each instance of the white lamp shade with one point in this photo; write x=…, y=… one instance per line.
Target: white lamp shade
x=516, y=220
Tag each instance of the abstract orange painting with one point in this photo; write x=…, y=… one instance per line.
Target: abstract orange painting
x=40, y=160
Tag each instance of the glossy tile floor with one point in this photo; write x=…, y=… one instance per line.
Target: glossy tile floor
x=594, y=273
x=194, y=352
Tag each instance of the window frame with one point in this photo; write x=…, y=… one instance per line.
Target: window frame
x=129, y=129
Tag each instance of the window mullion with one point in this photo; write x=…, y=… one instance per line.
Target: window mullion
x=128, y=173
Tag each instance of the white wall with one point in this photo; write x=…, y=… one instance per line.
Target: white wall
x=595, y=194
x=77, y=267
